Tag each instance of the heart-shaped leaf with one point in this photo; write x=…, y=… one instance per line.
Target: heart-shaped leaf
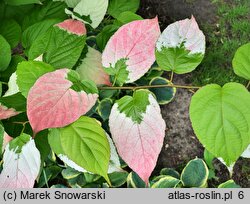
x=58, y=98
x=91, y=68
x=241, y=61
x=181, y=47
x=221, y=121
x=129, y=53
x=21, y=163
x=137, y=136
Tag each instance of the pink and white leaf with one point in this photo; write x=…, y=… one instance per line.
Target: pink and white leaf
x=91, y=68
x=135, y=42
x=185, y=32
x=6, y=112
x=73, y=27
x=139, y=144
x=52, y=103
x=20, y=170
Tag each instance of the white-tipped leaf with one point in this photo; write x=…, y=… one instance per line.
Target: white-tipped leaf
x=138, y=131
x=21, y=164
x=13, y=87
x=94, y=9
x=181, y=46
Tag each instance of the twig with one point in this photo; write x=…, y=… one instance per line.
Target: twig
x=148, y=87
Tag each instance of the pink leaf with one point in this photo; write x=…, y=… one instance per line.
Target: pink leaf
x=73, y=26
x=138, y=143
x=6, y=113
x=6, y=140
x=52, y=103
x=135, y=42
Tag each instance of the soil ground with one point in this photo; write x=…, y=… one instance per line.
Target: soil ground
x=181, y=144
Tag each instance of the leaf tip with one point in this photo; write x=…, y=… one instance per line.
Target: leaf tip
x=73, y=27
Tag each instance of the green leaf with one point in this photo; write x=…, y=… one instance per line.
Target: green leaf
x=41, y=141
x=60, y=48
x=108, y=93
x=36, y=30
x=85, y=143
x=70, y=173
x=208, y=157
x=54, y=140
x=14, y=125
x=5, y=54
x=48, y=10
x=166, y=182
x=178, y=59
x=1, y=88
x=16, y=13
x=16, y=101
x=28, y=72
x=103, y=37
x=22, y=2
x=70, y=3
x=221, y=121
x=104, y=108
x=119, y=72
x=195, y=174
x=49, y=173
x=117, y=179
x=85, y=85
x=170, y=172
x=118, y=6
x=229, y=184
x=163, y=95
x=1, y=139
x=134, y=181
x=17, y=143
x=241, y=61
x=5, y=75
x=134, y=107
x=11, y=31
x=126, y=17
x=154, y=72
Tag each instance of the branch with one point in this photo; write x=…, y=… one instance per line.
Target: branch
x=148, y=87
